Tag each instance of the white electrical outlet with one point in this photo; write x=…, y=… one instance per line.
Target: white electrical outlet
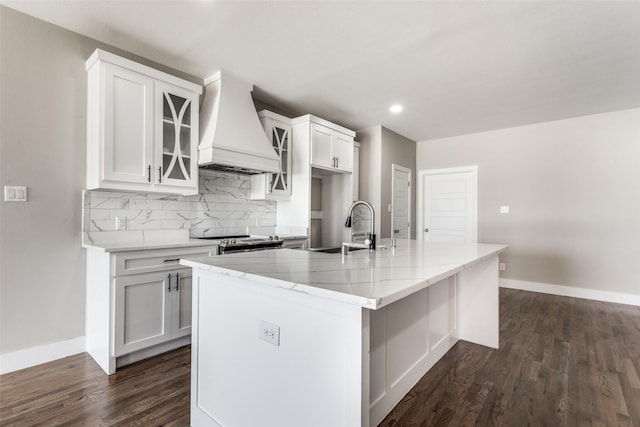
x=502, y=266
x=121, y=223
x=504, y=209
x=270, y=333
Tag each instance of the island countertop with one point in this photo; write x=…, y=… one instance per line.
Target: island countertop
x=370, y=279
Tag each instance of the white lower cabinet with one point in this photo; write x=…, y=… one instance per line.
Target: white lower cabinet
x=138, y=303
x=151, y=309
x=181, y=305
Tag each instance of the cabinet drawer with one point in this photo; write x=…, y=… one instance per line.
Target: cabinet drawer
x=156, y=260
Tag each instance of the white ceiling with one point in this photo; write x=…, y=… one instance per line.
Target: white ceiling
x=457, y=67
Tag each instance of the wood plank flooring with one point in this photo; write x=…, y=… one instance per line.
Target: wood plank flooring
x=562, y=361
x=74, y=391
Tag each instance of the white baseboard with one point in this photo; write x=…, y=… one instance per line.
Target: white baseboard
x=568, y=291
x=33, y=356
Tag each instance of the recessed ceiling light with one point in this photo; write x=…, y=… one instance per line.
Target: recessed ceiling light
x=395, y=108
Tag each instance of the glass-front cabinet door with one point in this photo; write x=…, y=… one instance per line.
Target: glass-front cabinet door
x=280, y=140
x=277, y=185
x=176, y=160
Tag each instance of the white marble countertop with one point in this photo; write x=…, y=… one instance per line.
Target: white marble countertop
x=141, y=245
x=369, y=279
x=148, y=245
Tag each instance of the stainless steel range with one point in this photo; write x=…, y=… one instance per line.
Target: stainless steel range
x=244, y=243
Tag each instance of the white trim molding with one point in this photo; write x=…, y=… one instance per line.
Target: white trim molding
x=569, y=291
x=33, y=356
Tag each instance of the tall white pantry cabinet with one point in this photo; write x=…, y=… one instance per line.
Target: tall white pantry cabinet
x=324, y=151
x=142, y=127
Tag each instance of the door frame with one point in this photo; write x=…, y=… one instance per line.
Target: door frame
x=395, y=167
x=474, y=204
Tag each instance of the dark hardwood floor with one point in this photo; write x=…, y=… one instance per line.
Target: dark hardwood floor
x=562, y=361
x=74, y=391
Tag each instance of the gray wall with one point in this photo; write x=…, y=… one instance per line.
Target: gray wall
x=573, y=188
x=379, y=149
x=42, y=145
x=370, y=165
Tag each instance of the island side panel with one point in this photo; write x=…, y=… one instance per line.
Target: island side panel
x=313, y=377
x=478, y=306
x=408, y=337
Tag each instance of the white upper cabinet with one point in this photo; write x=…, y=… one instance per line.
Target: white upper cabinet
x=142, y=128
x=127, y=131
x=342, y=148
x=276, y=186
x=321, y=147
x=331, y=145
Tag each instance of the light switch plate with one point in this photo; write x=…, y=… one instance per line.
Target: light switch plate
x=504, y=209
x=15, y=193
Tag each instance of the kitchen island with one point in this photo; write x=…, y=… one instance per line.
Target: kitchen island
x=295, y=338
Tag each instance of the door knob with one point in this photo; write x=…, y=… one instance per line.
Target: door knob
x=426, y=230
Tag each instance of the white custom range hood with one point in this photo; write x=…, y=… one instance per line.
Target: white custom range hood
x=231, y=136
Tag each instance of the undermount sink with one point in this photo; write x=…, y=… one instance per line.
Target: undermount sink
x=335, y=250
x=338, y=249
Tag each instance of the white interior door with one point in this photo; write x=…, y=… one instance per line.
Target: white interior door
x=400, y=202
x=448, y=205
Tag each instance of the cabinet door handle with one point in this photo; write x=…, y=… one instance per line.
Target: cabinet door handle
x=159, y=174
x=149, y=173
x=169, y=287
x=337, y=162
x=172, y=260
x=177, y=281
